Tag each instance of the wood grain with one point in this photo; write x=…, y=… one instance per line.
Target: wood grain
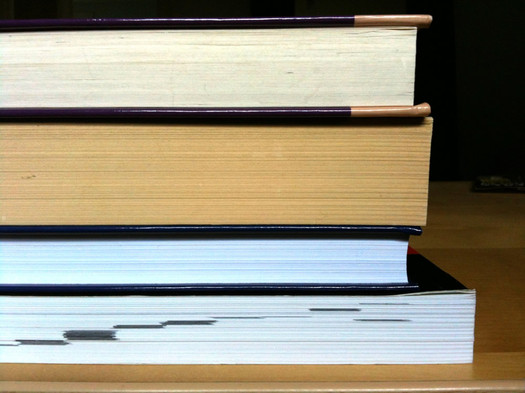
x=486, y=366
x=459, y=218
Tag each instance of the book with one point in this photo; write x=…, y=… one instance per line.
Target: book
x=340, y=172
x=432, y=325
x=190, y=259
x=165, y=67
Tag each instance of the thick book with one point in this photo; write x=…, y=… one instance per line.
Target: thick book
x=299, y=66
x=344, y=172
x=432, y=325
x=203, y=259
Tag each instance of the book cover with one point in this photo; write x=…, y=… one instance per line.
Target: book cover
x=419, y=21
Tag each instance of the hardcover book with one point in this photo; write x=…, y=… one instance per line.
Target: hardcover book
x=167, y=260
x=434, y=324
x=299, y=66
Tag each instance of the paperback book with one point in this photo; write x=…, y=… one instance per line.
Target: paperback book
x=299, y=66
x=340, y=172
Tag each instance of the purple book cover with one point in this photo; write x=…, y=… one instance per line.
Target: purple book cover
x=420, y=21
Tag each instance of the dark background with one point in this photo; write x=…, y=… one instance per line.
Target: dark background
x=469, y=64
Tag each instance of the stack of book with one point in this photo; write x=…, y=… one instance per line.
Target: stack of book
x=219, y=191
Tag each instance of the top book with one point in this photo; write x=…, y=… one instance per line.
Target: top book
x=317, y=65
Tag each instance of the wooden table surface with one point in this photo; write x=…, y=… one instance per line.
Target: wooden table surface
x=477, y=237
